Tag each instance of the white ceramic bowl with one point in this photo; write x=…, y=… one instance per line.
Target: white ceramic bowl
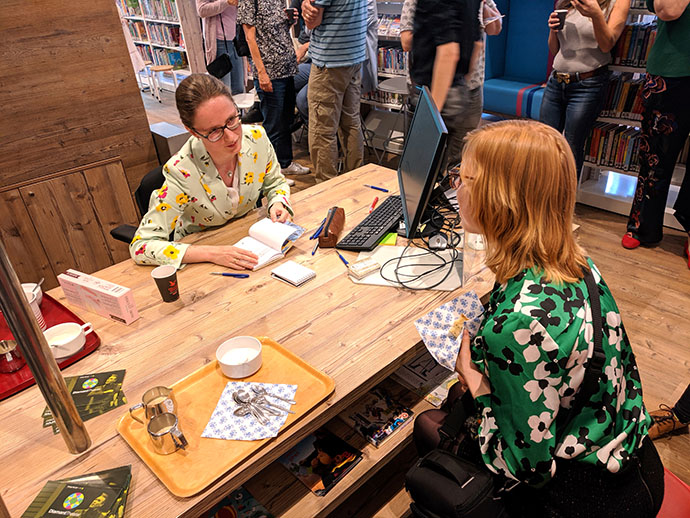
x=240, y=356
x=67, y=339
x=29, y=287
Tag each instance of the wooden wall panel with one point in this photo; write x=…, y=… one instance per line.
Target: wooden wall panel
x=21, y=242
x=69, y=93
x=62, y=213
x=112, y=203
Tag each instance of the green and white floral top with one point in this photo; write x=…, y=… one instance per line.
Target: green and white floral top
x=194, y=197
x=532, y=346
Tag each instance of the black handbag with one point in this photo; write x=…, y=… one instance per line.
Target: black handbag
x=240, y=41
x=221, y=66
x=443, y=484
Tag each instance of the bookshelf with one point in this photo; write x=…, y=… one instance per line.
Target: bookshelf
x=165, y=32
x=609, y=174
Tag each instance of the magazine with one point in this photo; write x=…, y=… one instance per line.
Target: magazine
x=382, y=411
x=239, y=504
x=426, y=378
x=270, y=240
x=320, y=461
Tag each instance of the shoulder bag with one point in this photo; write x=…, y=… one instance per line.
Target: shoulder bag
x=240, y=41
x=445, y=485
x=221, y=66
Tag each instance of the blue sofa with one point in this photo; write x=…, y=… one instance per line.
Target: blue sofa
x=517, y=60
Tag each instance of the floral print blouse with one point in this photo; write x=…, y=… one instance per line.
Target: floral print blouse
x=532, y=346
x=194, y=197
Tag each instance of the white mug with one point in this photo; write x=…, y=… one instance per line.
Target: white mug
x=67, y=338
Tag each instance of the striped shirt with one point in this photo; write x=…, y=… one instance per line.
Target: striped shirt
x=340, y=39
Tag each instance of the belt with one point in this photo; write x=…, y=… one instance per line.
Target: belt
x=565, y=77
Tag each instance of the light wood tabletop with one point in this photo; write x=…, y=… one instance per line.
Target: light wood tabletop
x=357, y=334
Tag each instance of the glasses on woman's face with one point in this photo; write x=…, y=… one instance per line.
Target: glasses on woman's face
x=216, y=134
x=459, y=175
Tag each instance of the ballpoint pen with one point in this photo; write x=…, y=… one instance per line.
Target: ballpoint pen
x=342, y=258
x=373, y=204
x=315, y=247
x=318, y=230
x=236, y=275
x=377, y=188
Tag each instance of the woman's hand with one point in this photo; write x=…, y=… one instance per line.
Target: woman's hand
x=233, y=257
x=278, y=213
x=302, y=51
x=588, y=8
x=265, y=82
x=554, y=21
x=476, y=382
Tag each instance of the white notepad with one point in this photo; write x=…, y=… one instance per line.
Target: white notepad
x=293, y=273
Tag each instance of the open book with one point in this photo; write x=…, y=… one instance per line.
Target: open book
x=270, y=240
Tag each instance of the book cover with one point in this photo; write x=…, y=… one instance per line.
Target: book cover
x=380, y=413
x=270, y=240
x=426, y=378
x=320, y=461
x=239, y=504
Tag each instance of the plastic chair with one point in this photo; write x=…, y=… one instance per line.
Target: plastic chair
x=676, y=497
x=149, y=183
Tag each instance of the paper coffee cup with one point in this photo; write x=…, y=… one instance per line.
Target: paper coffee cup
x=562, y=13
x=166, y=280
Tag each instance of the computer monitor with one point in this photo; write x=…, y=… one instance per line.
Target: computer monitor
x=422, y=159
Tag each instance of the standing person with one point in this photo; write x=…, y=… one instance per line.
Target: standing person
x=219, y=24
x=445, y=44
x=536, y=339
x=338, y=49
x=303, y=63
x=274, y=64
x=665, y=126
x=582, y=48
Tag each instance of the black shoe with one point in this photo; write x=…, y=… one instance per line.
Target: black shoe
x=253, y=115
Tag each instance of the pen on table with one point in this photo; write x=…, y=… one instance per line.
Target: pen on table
x=236, y=275
x=342, y=258
x=315, y=247
x=377, y=188
x=318, y=230
x=373, y=204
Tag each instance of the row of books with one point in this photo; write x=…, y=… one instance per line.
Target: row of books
x=613, y=145
x=166, y=34
x=623, y=98
x=384, y=97
x=634, y=44
x=638, y=4
x=163, y=56
x=389, y=25
x=160, y=9
x=393, y=60
x=128, y=7
x=137, y=30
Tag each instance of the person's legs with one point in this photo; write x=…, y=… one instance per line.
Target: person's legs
x=665, y=127
x=220, y=49
x=350, y=122
x=584, y=101
x=462, y=112
x=301, y=90
x=552, y=111
x=667, y=419
x=302, y=76
x=237, y=72
x=326, y=90
x=275, y=107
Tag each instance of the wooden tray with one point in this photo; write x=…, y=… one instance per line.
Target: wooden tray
x=186, y=472
x=54, y=313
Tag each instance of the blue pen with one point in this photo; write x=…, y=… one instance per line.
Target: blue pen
x=318, y=230
x=315, y=247
x=236, y=275
x=342, y=258
x=377, y=188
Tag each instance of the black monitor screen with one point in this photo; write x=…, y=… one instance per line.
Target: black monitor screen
x=421, y=160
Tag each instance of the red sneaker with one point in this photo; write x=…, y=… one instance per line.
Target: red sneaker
x=630, y=242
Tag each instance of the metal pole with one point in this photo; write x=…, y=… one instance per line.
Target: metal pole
x=40, y=359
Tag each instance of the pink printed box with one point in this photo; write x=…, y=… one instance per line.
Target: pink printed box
x=93, y=294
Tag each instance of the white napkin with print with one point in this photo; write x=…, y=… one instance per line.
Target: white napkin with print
x=224, y=424
x=435, y=326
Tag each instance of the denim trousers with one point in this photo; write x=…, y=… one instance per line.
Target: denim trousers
x=574, y=107
x=302, y=88
x=278, y=109
x=665, y=128
x=234, y=80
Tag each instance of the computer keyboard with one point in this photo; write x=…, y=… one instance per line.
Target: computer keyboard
x=367, y=234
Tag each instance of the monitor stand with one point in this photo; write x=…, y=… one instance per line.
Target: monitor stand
x=436, y=199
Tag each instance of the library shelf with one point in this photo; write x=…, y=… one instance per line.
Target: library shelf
x=624, y=68
x=621, y=120
x=390, y=74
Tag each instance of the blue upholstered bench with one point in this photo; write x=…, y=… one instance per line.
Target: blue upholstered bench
x=517, y=60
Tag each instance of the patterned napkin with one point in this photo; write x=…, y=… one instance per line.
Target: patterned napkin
x=435, y=326
x=226, y=425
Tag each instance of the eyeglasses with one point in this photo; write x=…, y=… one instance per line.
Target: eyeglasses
x=217, y=133
x=456, y=177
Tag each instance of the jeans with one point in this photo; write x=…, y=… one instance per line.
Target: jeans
x=574, y=107
x=302, y=87
x=234, y=80
x=665, y=128
x=278, y=109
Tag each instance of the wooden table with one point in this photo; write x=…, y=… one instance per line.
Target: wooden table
x=357, y=334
